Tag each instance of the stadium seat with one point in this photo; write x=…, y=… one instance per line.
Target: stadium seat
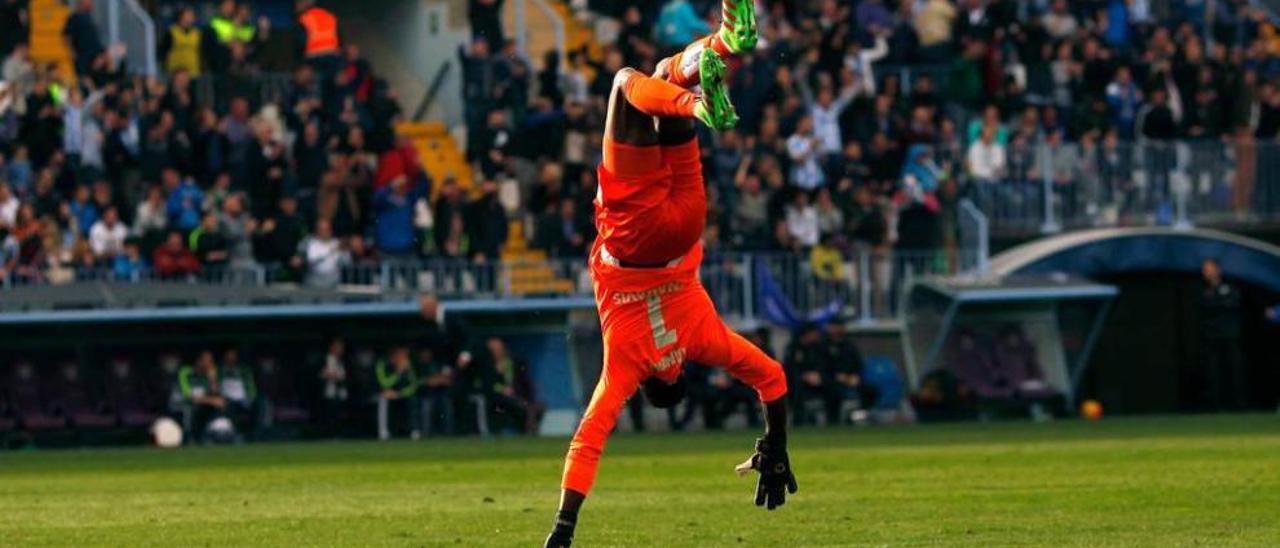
x=279, y=392
x=29, y=403
x=881, y=373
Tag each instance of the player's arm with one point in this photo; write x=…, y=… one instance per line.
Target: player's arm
x=752, y=366
x=616, y=385
x=771, y=459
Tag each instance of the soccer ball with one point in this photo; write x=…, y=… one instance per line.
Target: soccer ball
x=1091, y=410
x=166, y=433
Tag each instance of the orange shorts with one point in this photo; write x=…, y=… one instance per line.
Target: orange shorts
x=652, y=203
x=653, y=321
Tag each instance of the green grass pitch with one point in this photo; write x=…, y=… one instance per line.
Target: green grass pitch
x=1189, y=481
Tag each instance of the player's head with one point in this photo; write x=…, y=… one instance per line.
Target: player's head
x=662, y=394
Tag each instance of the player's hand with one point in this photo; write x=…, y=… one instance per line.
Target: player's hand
x=774, y=466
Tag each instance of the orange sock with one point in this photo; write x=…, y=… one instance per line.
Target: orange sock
x=658, y=97
x=683, y=70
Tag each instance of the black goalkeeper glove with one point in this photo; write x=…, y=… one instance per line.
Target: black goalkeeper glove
x=776, y=479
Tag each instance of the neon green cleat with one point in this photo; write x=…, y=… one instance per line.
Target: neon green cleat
x=714, y=107
x=738, y=26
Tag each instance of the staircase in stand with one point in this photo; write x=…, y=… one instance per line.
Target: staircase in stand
x=48, y=46
x=525, y=270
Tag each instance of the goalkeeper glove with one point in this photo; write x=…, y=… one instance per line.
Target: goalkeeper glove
x=774, y=466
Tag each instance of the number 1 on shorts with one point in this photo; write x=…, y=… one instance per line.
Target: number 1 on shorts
x=662, y=337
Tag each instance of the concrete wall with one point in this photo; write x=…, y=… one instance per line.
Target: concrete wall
x=408, y=41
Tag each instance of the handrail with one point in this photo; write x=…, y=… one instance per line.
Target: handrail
x=139, y=26
x=148, y=36
x=982, y=235
x=557, y=24
x=429, y=97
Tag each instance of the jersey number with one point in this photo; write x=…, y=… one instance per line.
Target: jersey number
x=662, y=337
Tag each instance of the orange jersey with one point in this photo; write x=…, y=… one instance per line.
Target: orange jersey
x=653, y=320
x=654, y=209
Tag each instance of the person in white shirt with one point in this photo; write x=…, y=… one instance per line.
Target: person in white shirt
x=803, y=148
x=987, y=158
x=324, y=256
x=1059, y=22
x=802, y=221
x=107, y=236
x=826, y=111
x=860, y=61
x=8, y=206
x=151, y=214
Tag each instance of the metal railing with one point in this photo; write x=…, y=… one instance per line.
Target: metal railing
x=217, y=90
x=522, y=27
x=1171, y=183
x=126, y=22
x=866, y=284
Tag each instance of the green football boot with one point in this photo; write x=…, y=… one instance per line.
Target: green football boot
x=738, y=26
x=714, y=107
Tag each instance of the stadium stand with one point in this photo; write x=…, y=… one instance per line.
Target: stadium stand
x=880, y=140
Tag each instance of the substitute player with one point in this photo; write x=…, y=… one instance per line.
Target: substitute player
x=654, y=313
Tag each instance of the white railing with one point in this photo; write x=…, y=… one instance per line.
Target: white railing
x=127, y=23
x=522, y=27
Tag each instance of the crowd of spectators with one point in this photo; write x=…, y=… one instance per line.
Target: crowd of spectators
x=438, y=383
x=840, y=150
x=445, y=381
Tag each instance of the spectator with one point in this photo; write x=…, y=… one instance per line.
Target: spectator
x=806, y=372
x=151, y=216
x=8, y=206
x=1220, y=304
x=846, y=373
x=128, y=265
x=933, y=24
x=804, y=149
x=487, y=225
x=182, y=45
x=208, y=242
x=750, y=222
x=83, y=211
x=679, y=24
x=173, y=259
x=511, y=396
x=333, y=387
x=986, y=159
x=1125, y=99
x=802, y=221
x=279, y=237
x=240, y=392
x=107, y=235
x=437, y=392
x=1059, y=22
x=82, y=37
x=200, y=387
x=393, y=209
x=1063, y=168
x=323, y=256
x=398, y=384
x=237, y=228
x=185, y=201
x=560, y=231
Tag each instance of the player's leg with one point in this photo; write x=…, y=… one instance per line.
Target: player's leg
x=617, y=383
x=657, y=97
x=737, y=34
